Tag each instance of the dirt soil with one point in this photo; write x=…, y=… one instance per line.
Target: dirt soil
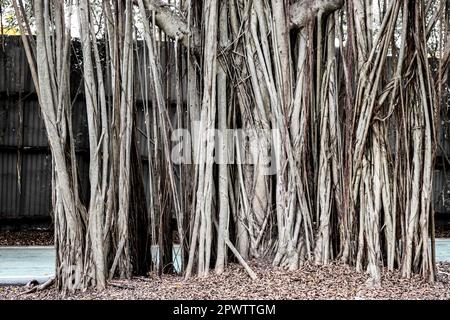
x=442, y=233
x=26, y=238
x=45, y=237
x=335, y=281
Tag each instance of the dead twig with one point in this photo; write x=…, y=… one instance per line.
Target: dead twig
x=36, y=288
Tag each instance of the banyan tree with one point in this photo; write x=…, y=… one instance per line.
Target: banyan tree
x=288, y=130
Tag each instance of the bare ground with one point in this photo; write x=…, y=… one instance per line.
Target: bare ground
x=442, y=233
x=26, y=238
x=46, y=237
x=335, y=281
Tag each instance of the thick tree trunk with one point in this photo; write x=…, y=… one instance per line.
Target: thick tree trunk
x=336, y=156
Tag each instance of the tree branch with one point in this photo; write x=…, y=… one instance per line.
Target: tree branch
x=303, y=11
x=172, y=23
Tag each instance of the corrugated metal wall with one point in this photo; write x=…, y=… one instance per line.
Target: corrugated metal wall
x=25, y=160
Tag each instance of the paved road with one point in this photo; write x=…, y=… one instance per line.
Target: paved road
x=18, y=265
x=443, y=249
